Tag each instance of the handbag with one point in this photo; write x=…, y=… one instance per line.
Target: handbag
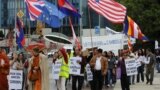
x=118, y=73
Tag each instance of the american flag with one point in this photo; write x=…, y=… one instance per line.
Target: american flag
x=33, y=8
x=110, y=9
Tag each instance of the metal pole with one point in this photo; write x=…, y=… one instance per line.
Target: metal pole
x=15, y=14
x=81, y=25
x=29, y=31
x=90, y=28
x=99, y=21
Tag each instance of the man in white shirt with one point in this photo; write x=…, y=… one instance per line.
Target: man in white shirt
x=99, y=64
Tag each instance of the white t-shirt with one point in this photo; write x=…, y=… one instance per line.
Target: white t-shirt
x=98, y=64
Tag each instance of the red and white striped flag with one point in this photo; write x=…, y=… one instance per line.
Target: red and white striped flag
x=75, y=39
x=110, y=9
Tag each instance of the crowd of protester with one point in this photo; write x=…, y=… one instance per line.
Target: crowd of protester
x=104, y=66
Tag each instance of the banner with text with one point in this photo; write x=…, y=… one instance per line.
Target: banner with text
x=75, y=67
x=56, y=69
x=131, y=66
x=89, y=73
x=15, y=79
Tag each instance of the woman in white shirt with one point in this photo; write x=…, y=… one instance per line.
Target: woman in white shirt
x=140, y=69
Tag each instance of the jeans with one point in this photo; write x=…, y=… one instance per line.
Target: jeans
x=80, y=80
x=132, y=79
x=158, y=67
x=140, y=73
x=61, y=83
x=125, y=82
x=98, y=79
x=111, y=77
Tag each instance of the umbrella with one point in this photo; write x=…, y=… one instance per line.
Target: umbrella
x=40, y=46
x=57, y=38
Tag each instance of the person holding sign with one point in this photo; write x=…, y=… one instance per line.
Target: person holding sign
x=125, y=84
x=38, y=71
x=99, y=65
x=80, y=78
x=140, y=68
x=150, y=66
x=64, y=69
x=18, y=64
x=4, y=70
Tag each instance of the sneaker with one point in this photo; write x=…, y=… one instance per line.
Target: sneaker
x=151, y=83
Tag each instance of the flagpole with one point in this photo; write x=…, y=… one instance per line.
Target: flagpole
x=16, y=5
x=81, y=24
x=99, y=21
x=89, y=16
x=29, y=31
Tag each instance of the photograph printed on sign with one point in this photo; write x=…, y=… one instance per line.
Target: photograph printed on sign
x=75, y=67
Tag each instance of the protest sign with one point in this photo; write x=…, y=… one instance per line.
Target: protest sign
x=56, y=69
x=15, y=79
x=75, y=67
x=89, y=73
x=131, y=66
x=138, y=62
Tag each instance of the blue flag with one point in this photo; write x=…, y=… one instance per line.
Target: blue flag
x=67, y=8
x=51, y=15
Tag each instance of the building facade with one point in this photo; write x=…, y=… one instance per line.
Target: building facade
x=9, y=8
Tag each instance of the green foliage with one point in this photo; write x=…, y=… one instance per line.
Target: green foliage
x=146, y=13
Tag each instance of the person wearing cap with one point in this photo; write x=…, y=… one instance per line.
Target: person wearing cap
x=99, y=65
x=38, y=71
x=64, y=70
x=4, y=70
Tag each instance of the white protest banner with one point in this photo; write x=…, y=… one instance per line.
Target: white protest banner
x=56, y=69
x=89, y=73
x=15, y=79
x=131, y=66
x=75, y=68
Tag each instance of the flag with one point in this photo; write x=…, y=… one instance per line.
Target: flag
x=67, y=8
x=133, y=30
x=75, y=39
x=20, y=39
x=51, y=15
x=45, y=12
x=110, y=9
x=129, y=44
x=33, y=10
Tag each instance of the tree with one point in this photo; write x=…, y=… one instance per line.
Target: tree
x=146, y=14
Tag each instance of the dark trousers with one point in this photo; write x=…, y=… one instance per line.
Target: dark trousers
x=132, y=79
x=125, y=82
x=97, y=83
x=80, y=80
x=150, y=74
x=140, y=73
x=106, y=79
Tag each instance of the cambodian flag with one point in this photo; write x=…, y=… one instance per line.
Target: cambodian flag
x=67, y=8
x=20, y=39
